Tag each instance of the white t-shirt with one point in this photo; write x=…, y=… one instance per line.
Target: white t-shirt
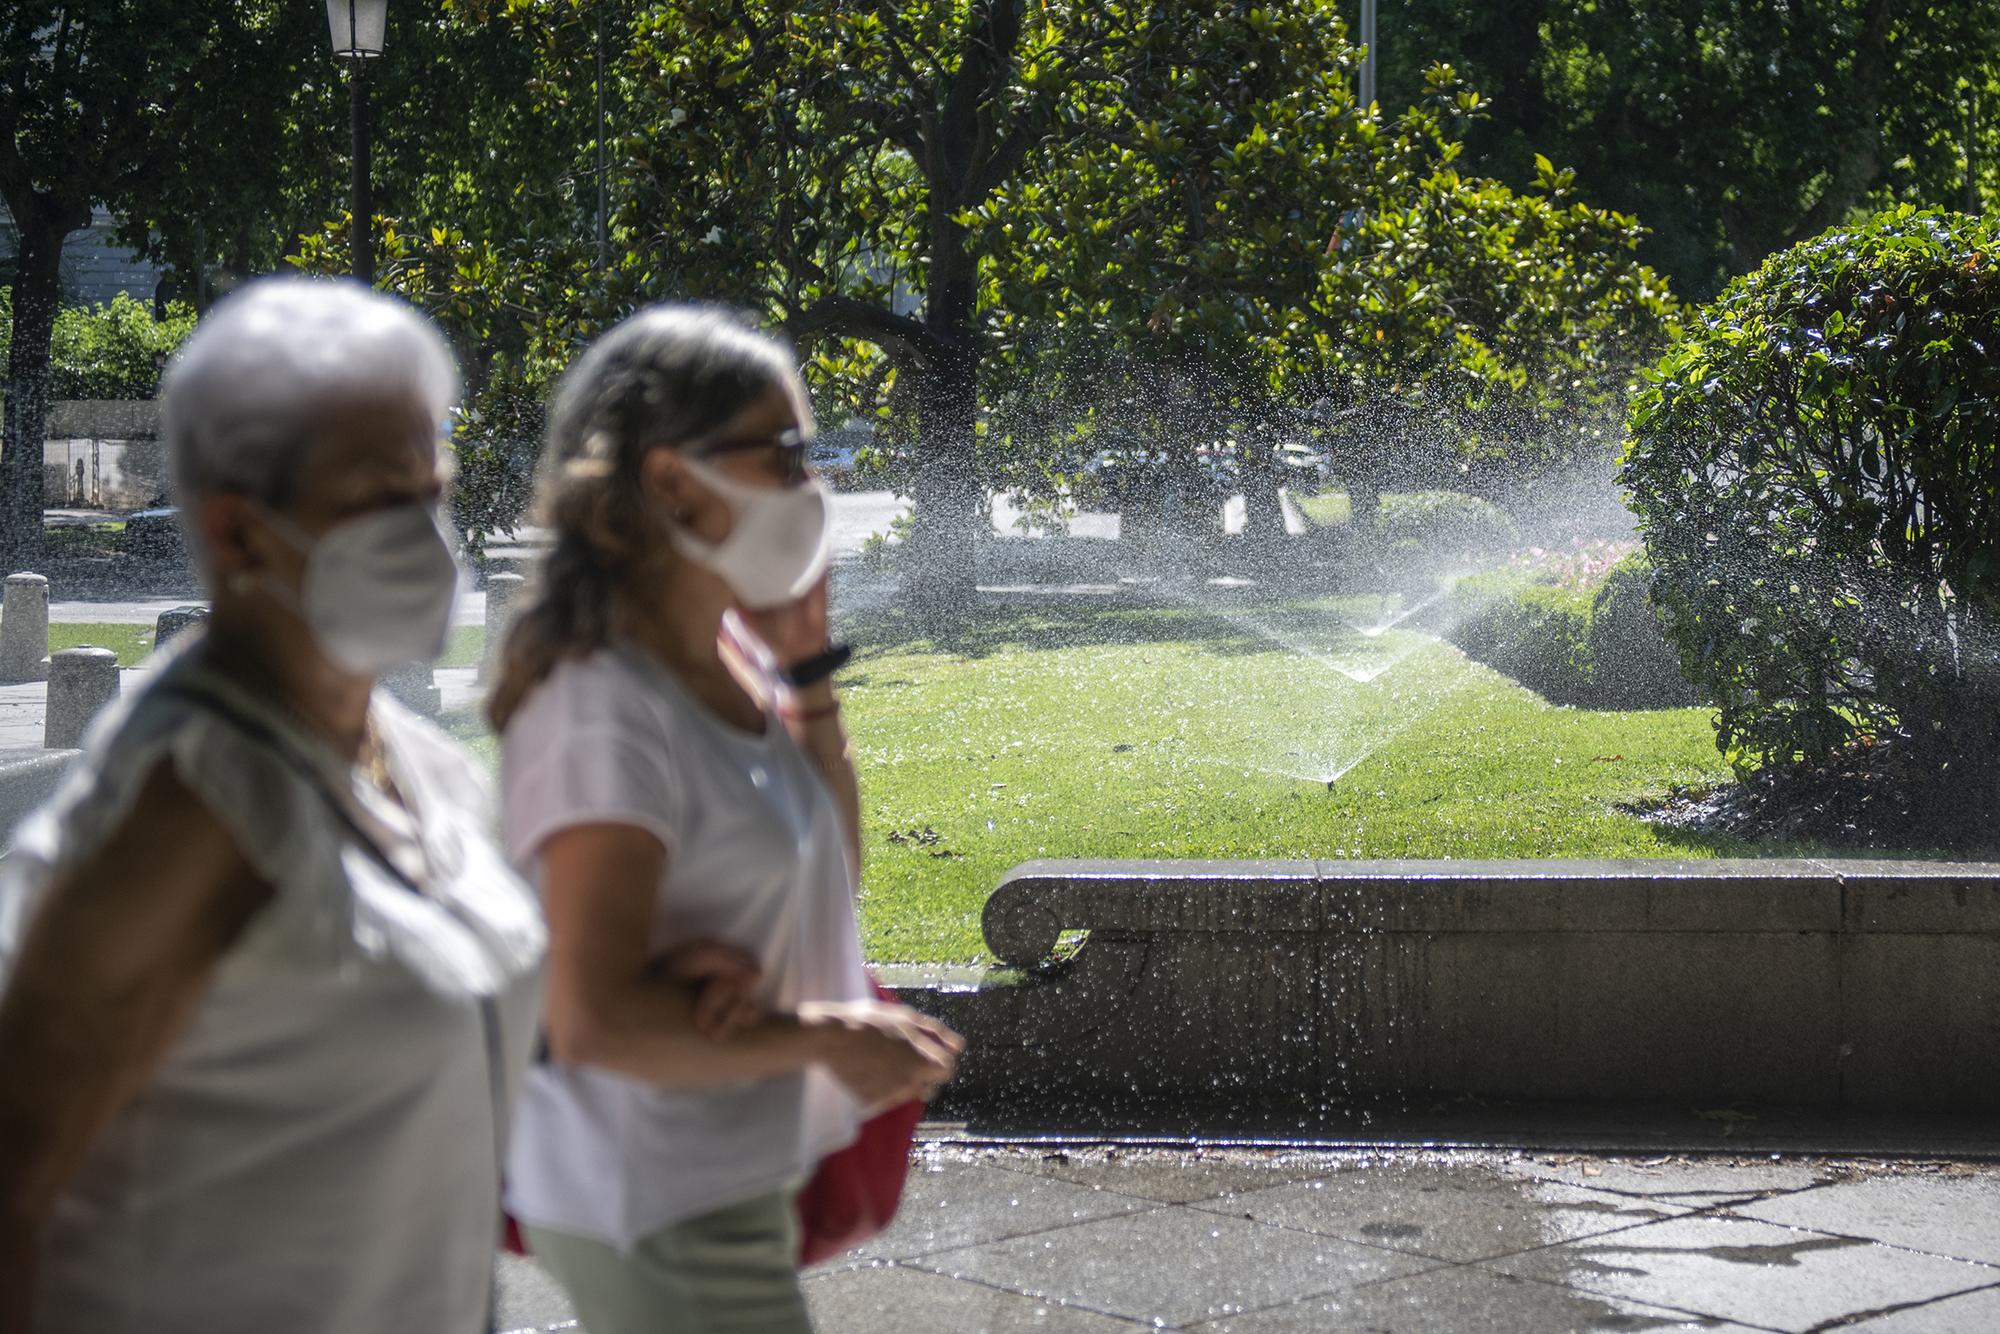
x=317, y=1151
x=755, y=857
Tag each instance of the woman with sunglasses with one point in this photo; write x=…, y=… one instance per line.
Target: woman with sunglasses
x=677, y=780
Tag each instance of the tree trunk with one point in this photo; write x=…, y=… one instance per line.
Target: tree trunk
x=1263, y=511
x=946, y=494
x=36, y=294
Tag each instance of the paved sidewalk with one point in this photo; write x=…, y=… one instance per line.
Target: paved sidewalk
x=1407, y=1242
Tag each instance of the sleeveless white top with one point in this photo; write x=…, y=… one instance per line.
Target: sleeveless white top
x=756, y=857
x=318, y=1151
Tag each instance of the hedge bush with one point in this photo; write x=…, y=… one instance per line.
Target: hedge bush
x=1444, y=527
x=1816, y=470
x=114, y=351
x=1632, y=664
x=1535, y=632
x=1598, y=646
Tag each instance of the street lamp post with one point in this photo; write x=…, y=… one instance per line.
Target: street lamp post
x=357, y=27
x=1368, y=60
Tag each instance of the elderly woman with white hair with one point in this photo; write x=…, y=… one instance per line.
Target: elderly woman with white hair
x=269, y=984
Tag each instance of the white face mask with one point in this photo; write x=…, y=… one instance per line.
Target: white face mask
x=378, y=588
x=779, y=538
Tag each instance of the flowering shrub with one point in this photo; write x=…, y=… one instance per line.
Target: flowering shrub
x=1582, y=564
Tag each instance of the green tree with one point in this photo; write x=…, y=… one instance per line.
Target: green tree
x=137, y=105
x=821, y=161
x=1734, y=128
x=1266, y=264
x=110, y=351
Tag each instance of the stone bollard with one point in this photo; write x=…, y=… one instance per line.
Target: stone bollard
x=81, y=682
x=175, y=620
x=24, y=629
x=502, y=593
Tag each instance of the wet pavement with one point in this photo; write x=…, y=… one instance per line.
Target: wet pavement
x=1259, y=1241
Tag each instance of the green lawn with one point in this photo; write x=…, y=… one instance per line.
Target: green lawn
x=466, y=644
x=130, y=642
x=133, y=642
x=1089, y=732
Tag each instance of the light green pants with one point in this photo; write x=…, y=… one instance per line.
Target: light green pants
x=729, y=1272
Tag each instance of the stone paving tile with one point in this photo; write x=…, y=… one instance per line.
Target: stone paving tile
x=1974, y=1313
x=1954, y=1216
x=1166, y=1176
x=1452, y=1211
x=1740, y=1269
x=22, y=708
x=529, y=1297
x=949, y=1204
x=1172, y=1264
x=889, y=1299
x=1455, y=1300
x=1699, y=1182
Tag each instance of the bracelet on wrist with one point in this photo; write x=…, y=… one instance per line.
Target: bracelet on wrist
x=809, y=715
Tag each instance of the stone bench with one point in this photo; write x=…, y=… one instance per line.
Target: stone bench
x=1831, y=984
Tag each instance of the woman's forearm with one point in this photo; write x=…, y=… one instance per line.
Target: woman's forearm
x=645, y=1029
x=816, y=724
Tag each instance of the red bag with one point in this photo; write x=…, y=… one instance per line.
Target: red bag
x=511, y=1240
x=854, y=1192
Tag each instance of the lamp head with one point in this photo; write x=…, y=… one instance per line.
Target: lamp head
x=357, y=27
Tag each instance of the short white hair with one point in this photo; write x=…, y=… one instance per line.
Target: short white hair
x=239, y=403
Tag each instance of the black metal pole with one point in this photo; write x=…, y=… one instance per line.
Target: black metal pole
x=1368, y=62
x=603, y=232
x=364, y=204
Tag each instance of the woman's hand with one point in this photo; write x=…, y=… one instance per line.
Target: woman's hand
x=795, y=631
x=885, y=1054
x=724, y=979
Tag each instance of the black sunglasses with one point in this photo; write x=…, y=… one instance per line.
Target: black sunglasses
x=791, y=446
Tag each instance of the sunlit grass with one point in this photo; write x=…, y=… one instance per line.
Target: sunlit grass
x=1217, y=736
x=463, y=649
x=132, y=643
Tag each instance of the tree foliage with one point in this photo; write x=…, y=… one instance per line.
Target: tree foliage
x=107, y=351
x=515, y=313
x=119, y=104
x=1817, y=477
x=1733, y=127
x=1018, y=237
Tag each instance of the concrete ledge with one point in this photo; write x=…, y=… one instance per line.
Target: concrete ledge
x=27, y=779
x=1829, y=984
